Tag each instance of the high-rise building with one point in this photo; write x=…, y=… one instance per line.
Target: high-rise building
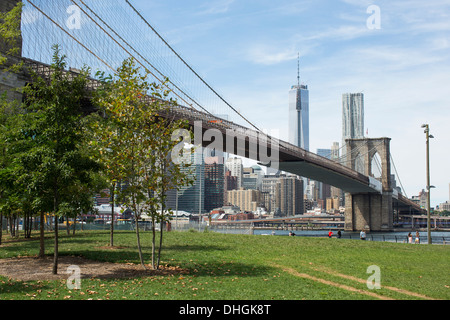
x=335, y=151
x=268, y=188
x=235, y=166
x=190, y=198
x=230, y=183
x=289, y=196
x=324, y=189
x=352, y=116
x=252, y=178
x=299, y=116
x=246, y=200
x=214, y=183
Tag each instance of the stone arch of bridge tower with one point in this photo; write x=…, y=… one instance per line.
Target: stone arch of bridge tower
x=366, y=150
x=370, y=211
x=375, y=171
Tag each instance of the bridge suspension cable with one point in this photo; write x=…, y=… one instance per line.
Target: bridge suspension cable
x=397, y=175
x=190, y=68
x=131, y=55
x=110, y=32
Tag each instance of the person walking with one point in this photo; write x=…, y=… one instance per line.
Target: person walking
x=410, y=237
x=339, y=234
x=362, y=235
x=417, y=237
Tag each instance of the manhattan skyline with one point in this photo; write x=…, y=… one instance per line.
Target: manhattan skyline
x=248, y=52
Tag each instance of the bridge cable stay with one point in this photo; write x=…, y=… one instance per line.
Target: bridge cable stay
x=360, y=155
x=328, y=155
x=190, y=68
x=344, y=158
x=71, y=36
x=396, y=174
x=137, y=60
x=88, y=49
x=101, y=44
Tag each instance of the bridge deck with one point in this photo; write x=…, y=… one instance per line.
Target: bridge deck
x=290, y=157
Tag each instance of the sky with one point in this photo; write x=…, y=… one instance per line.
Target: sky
x=396, y=52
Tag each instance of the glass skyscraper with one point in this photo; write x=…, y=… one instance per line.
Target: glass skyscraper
x=352, y=116
x=353, y=122
x=299, y=116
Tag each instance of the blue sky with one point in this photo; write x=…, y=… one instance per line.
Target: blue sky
x=247, y=51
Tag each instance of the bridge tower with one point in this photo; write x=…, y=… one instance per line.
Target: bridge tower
x=369, y=211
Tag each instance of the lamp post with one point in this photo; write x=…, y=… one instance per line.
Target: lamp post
x=428, y=136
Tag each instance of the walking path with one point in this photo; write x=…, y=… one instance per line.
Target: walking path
x=346, y=287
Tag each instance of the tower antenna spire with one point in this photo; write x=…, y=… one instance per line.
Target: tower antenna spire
x=298, y=70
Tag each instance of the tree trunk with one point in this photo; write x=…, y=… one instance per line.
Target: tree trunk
x=160, y=243
x=12, y=225
x=41, y=240
x=139, y=245
x=68, y=225
x=153, y=241
x=55, y=254
x=161, y=233
x=1, y=227
x=56, y=209
x=111, y=237
x=137, y=233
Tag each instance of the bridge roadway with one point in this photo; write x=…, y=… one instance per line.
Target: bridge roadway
x=283, y=155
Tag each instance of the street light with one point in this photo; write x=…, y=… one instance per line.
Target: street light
x=428, y=136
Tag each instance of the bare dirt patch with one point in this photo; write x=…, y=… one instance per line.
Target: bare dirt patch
x=32, y=268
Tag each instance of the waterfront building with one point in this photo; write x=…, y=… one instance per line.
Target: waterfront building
x=289, y=195
x=246, y=200
x=421, y=199
x=268, y=189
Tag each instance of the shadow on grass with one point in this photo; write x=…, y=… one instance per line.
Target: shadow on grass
x=10, y=286
x=230, y=269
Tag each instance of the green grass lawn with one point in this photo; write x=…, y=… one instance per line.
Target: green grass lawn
x=244, y=267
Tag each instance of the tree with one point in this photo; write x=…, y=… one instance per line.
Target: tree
x=163, y=174
x=139, y=143
x=9, y=37
x=121, y=137
x=106, y=141
x=57, y=160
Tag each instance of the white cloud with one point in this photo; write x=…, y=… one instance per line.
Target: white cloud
x=216, y=7
x=266, y=55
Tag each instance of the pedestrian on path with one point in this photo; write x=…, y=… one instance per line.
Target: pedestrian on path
x=362, y=235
